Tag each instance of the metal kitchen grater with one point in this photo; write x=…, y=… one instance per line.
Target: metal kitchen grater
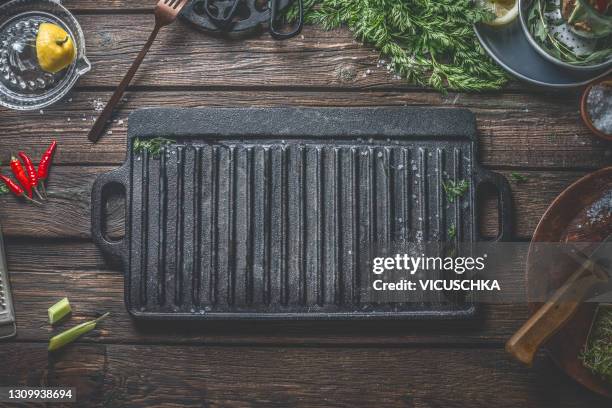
x=8, y=327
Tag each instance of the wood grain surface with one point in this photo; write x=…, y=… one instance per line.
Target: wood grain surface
x=522, y=130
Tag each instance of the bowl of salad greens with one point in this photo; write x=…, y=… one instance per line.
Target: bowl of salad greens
x=575, y=34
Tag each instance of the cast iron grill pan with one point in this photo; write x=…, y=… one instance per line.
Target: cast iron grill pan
x=272, y=213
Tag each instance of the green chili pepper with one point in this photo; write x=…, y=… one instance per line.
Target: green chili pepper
x=59, y=310
x=74, y=333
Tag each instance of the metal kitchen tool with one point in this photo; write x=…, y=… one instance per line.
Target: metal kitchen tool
x=8, y=328
x=271, y=213
x=511, y=49
x=240, y=18
x=563, y=304
x=34, y=89
x=564, y=33
x=166, y=12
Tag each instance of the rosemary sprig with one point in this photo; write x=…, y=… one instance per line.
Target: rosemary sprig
x=427, y=42
x=152, y=146
x=455, y=189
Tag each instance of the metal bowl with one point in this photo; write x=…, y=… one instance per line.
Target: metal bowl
x=509, y=47
x=524, y=7
x=51, y=11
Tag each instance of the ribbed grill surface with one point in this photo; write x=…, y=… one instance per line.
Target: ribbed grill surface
x=285, y=226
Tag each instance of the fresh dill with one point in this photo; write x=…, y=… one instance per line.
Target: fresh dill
x=152, y=146
x=597, y=355
x=427, y=42
x=455, y=189
x=518, y=178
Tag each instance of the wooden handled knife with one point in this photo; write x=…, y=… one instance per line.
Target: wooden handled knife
x=562, y=305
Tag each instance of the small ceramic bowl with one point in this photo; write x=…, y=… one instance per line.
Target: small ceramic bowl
x=524, y=8
x=585, y=112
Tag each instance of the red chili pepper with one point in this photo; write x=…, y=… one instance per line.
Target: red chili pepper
x=16, y=189
x=20, y=175
x=30, y=169
x=45, y=161
x=11, y=185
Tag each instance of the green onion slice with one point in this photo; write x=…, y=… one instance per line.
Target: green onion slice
x=59, y=310
x=74, y=333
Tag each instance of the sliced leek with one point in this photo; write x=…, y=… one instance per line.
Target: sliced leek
x=59, y=310
x=74, y=333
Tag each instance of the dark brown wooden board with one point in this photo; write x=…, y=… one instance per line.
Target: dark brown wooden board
x=516, y=130
x=70, y=189
x=163, y=376
x=522, y=129
x=77, y=272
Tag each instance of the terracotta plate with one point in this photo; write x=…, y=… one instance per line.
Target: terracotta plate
x=580, y=214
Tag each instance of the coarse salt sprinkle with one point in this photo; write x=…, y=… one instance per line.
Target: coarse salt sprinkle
x=599, y=107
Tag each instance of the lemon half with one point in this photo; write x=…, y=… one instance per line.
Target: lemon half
x=54, y=48
x=505, y=11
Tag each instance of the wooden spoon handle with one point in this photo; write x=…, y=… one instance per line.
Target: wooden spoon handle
x=553, y=314
x=98, y=127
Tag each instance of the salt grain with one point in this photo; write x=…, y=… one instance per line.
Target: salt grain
x=601, y=210
x=599, y=107
x=98, y=105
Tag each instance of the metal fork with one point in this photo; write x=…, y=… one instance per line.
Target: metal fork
x=166, y=12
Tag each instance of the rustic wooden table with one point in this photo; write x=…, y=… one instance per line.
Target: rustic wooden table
x=51, y=255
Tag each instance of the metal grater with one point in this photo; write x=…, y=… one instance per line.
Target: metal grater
x=7, y=312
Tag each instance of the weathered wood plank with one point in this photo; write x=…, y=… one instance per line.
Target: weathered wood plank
x=185, y=56
x=93, y=292
x=156, y=376
x=188, y=57
x=68, y=213
x=110, y=5
x=515, y=130
x=142, y=14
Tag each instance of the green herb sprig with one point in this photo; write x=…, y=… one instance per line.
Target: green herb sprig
x=597, y=355
x=455, y=189
x=518, y=177
x=428, y=42
x=152, y=146
x=452, y=232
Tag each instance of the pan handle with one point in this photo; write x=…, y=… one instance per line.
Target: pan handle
x=504, y=203
x=115, y=249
